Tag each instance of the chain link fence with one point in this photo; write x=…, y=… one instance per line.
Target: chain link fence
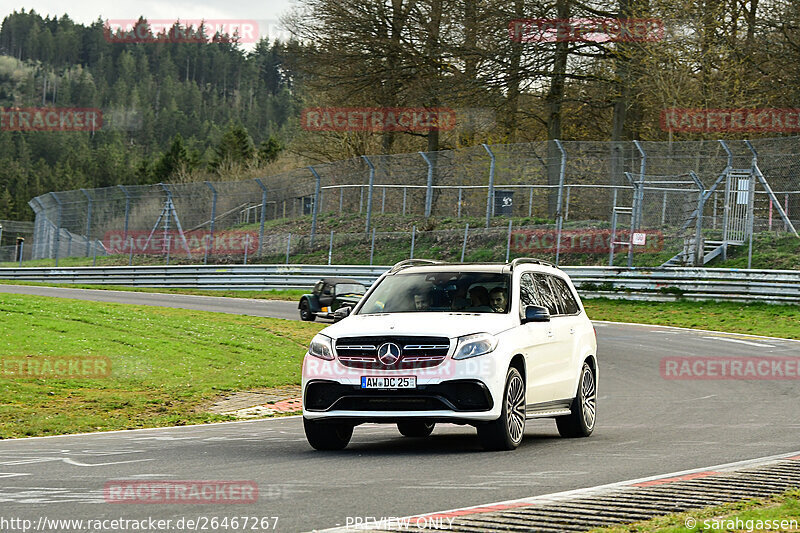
x=576, y=202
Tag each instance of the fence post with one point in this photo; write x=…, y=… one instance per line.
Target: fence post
x=559, y=214
x=263, y=216
x=383, y=201
x=288, y=247
x=372, y=248
x=642, y=169
x=330, y=249
x=530, y=202
x=464, y=244
x=490, y=194
x=94, y=254
x=369, y=193
x=459, y=202
x=429, y=185
x=21, y=242
x=246, y=245
x=58, y=228
x=341, y=199
x=413, y=236
x=213, y=216
x=130, y=257
x=127, y=211
x=508, y=244
x=88, y=219
x=169, y=247
x=315, y=212
x=405, y=194
x=698, y=231
x=69, y=245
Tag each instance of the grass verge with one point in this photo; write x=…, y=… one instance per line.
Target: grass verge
x=752, y=515
x=756, y=318
x=166, y=363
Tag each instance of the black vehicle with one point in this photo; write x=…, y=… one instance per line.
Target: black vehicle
x=330, y=294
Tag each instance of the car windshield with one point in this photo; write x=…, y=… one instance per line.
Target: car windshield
x=343, y=289
x=467, y=292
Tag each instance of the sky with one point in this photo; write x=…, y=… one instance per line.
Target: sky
x=265, y=12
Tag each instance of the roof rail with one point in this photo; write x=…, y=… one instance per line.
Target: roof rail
x=530, y=261
x=413, y=262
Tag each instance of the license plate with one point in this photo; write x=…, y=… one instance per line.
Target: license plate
x=384, y=382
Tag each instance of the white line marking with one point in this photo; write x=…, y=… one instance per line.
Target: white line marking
x=740, y=341
x=12, y=474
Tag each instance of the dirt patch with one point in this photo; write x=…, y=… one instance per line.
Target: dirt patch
x=257, y=402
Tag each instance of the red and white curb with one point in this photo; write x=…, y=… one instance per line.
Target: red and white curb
x=661, y=479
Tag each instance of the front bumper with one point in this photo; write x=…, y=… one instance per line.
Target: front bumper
x=465, y=391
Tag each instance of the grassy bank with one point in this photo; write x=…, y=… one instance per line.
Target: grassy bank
x=165, y=363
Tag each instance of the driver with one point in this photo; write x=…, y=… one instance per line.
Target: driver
x=498, y=299
x=421, y=302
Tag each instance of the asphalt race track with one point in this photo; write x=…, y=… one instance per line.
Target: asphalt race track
x=647, y=425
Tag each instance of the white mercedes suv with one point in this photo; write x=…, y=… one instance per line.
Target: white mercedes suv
x=489, y=345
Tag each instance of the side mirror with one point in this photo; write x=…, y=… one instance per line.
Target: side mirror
x=342, y=312
x=536, y=313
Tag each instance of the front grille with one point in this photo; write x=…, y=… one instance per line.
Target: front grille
x=456, y=395
x=415, y=352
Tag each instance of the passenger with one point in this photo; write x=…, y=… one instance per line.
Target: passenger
x=479, y=296
x=498, y=300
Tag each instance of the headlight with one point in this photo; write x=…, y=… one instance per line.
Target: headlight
x=321, y=347
x=475, y=345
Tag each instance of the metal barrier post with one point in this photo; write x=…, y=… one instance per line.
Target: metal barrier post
x=369, y=194
x=213, y=217
x=58, y=228
x=246, y=245
x=413, y=236
x=559, y=214
x=429, y=186
x=530, y=202
x=169, y=247
x=490, y=194
x=288, y=247
x=642, y=169
x=127, y=211
x=130, y=257
x=405, y=195
x=459, y=202
x=315, y=212
x=21, y=247
x=330, y=249
x=263, y=216
x=88, y=219
x=341, y=199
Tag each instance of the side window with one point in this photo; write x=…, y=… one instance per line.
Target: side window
x=318, y=287
x=546, y=296
x=527, y=292
x=565, y=297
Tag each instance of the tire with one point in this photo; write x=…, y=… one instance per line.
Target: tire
x=305, y=311
x=327, y=436
x=506, y=432
x=416, y=428
x=584, y=408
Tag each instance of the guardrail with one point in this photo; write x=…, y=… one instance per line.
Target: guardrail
x=654, y=284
